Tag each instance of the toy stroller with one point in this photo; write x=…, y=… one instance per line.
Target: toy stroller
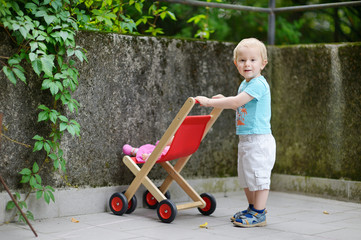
x=188, y=132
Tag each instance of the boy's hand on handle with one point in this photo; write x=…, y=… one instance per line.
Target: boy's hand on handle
x=218, y=96
x=203, y=101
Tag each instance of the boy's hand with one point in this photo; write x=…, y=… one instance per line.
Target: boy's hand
x=218, y=96
x=203, y=101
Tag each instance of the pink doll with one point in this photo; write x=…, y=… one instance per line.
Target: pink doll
x=143, y=152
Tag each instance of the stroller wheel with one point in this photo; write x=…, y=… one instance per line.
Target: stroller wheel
x=118, y=203
x=132, y=204
x=150, y=200
x=167, y=211
x=210, y=204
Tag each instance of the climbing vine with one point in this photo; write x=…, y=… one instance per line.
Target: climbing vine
x=44, y=31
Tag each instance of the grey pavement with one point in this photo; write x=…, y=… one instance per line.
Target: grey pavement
x=290, y=216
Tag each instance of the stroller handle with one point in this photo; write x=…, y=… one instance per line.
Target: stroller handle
x=197, y=102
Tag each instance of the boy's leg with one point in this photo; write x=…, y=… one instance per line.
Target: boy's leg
x=260, y=199
x=250, y=196
x=256, y=216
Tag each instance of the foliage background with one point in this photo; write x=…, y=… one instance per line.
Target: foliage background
x=315, y=26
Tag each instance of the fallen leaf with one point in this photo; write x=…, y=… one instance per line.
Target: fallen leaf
x=203, y=225
x=325, y=212
x=74, y=220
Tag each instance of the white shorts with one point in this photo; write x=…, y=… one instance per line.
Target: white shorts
x=256, y=157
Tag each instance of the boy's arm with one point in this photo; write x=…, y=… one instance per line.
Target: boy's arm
x=232, y=102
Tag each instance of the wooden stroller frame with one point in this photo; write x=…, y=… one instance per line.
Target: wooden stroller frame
x=173, y=171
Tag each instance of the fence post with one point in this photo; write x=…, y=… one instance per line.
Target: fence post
x=271, y=22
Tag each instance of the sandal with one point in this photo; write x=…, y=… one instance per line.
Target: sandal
x=240, y=214
x=251, y=219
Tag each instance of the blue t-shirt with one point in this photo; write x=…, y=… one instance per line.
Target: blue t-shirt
x=254, y=117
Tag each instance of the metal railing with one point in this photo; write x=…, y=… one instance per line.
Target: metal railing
x=271, y=10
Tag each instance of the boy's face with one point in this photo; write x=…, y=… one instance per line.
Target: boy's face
x=249, y=62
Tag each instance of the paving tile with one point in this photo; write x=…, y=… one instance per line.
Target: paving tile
x=290, y=216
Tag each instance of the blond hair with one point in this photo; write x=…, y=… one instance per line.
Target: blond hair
x=251, y=42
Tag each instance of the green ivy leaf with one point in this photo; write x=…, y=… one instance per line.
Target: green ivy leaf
x=53, y=156
x=51, y=196
x=19, y=74
x=42, y=46
x=24, y=31
x=39, y=138
x=46, y=84
x=63, y=118
x=33, y=46
x=46, y=197
x=49, y=19
x=37, y=66
x=43, y=116
x=10, y=205
x=22, y=204
x=56, y=164
x=79, y=55
x=38, y=178
x=53, y=116
x=50, y=188
x=25, y=171
x=43, y=107
x=25, y=179
x=71, y=129
x=30, y=215
x=9, y=74
x=14, y=60
x=32, y=181
x=62, y=164
x=35, y=167
x=39, y=194
x=17, y=196
x=47, y=148
x=38, y=146
x=64, y=35
x=47, y=62
x=54, y=89
x=63, y=126
x=70, y=52
x=40, y=13
x=31, y=6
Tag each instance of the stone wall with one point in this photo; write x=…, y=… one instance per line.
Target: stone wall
x=130, y=91
x=132, y=87
x=316, y=110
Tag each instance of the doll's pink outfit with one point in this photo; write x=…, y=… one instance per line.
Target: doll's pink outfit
x=144, y=149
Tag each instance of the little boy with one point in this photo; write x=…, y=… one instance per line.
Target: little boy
x=257, y=146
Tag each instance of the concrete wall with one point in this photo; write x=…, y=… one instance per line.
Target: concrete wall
x=316, y=110
x=129, y=92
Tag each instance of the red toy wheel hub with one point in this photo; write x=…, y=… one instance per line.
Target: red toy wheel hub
x=117, y=204
x=208, y=204
x=151, y=199
x=165, y=211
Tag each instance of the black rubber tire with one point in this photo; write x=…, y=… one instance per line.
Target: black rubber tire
x=211, y=204
x=132, y=204
x=167, y=211
x=118, y=203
